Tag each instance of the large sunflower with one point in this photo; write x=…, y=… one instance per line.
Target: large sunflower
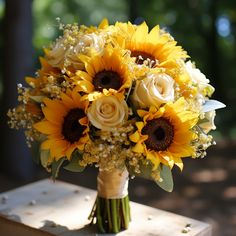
x=65, y=125
x=165, y=135
x=107, y=71
x=155, y=48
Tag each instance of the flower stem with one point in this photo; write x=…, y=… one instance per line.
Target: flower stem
x=108, y=215
x=111, y=215
x=114, y=215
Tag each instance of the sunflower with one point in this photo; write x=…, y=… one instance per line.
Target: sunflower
x=65, y=124
x=107, y=71
x=154, y=48
x=165, y=135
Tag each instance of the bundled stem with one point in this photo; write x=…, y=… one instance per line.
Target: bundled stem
x=111, y=215
x=111, y=211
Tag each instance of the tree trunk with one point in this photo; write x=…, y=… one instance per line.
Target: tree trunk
x=213, y=52
x=17, y=63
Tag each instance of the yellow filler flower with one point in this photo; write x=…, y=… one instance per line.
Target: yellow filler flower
x=165, y=135
x=108, y=70
x=155, y=48
x=65, y=124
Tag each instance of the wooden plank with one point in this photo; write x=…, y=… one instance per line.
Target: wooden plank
x=61, y=209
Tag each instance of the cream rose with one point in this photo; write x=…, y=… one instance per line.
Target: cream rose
x=208, y=121
x=196, y=75
x=84, y=46
x=57, y=54
x=155, y=89
x=107, y=113
x=200, y=81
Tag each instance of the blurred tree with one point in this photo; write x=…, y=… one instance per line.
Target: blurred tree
x=17, y=54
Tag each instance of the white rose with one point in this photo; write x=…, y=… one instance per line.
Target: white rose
x=155, y=89
x=57, y=54
x=208, y=121
x=196, y=75
x=107, y=113
x=85, y=44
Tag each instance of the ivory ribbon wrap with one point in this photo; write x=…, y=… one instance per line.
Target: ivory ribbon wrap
x=113, y=184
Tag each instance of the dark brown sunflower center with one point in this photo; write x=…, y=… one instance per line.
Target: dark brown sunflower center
x=72, y=130
x=141, y=57
x=160, y=134
x=107, y=79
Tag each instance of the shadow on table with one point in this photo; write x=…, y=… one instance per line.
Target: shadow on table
x=52, y=227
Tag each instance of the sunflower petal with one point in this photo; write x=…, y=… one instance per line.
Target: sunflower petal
x=46, y=144
x=83, y=75
x=135, y=137
x=142, y=113
x=139, y=125
x=104, y=24
x=84, y=121
x=178, y=161
x=52, y=116
x=46, y=127
x=154, y=158
x=67, y=100
x=154, y=34
x=139, y=148
x=69, y=151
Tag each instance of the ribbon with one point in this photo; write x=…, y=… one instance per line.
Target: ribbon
x=113, y=184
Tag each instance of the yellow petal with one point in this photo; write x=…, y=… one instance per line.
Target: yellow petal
x=83, y=140
x=178, y=161
x=69, y=151
x=141, y=32
x=58, y=148
x=83, y=75
x=85, y=86
x=46, y=127
x=139, y=125
x=52, y=116
x=83, y=121
x=55, y=105
x=135, y=137
x=46, y=144
x=168, y=157
x=154, y=34
x=67, y=100
x=152, y=109
x=142, y=113
x=139, y=148
x=104, y=24
x=80, y=146
x=154, y=158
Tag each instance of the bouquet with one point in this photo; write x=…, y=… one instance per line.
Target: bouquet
x=122, y=98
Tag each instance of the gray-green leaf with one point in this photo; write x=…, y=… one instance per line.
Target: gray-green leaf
x=74, y=165
x=167, y=179
x=44, y=155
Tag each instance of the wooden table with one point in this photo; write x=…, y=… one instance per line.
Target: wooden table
x=46, y=208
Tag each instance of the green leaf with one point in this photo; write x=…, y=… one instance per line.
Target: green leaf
x=166, y=175
x=145, y=170
x=74, y=165
x=56, y=165
x=44, y=155
x=35, y=152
